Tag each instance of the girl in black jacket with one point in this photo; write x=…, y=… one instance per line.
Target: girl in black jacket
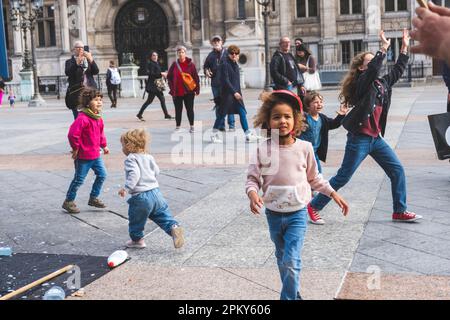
x=369, y=96
x=154, y=73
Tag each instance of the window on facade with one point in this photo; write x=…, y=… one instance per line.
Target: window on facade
x=350, y=49
x=307, y=8
x=241, y=9
x=351, y=6
x=46, y=33
x=274, y=6
x=395, y=5
x=443, y=3
x=394, y=49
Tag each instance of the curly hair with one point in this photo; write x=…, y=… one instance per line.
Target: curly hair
x=270, y=101
x=87, y=94
x=135, y=140
x=348, y=84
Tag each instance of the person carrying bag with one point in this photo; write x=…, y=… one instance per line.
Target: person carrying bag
x=312, y=77
x=188, y=80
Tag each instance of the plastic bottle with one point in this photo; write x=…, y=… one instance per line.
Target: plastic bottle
x=117, y=258
x=5, y=251
x=54, y=293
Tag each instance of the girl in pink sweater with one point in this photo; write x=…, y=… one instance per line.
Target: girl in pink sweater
x=86, y=137
x=285, y=169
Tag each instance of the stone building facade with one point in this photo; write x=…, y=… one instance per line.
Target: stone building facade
x=334, y=30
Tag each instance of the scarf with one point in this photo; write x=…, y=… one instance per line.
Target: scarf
x=91, y=114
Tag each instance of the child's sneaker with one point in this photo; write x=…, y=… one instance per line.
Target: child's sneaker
x=140, y=244
x=177, y=236
x=96, y=202
x=314, y=216
x=215, y=138
x=405, y=217
x=70, y=207
x=251, y=137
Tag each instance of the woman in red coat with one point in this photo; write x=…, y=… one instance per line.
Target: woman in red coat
x=178, y=90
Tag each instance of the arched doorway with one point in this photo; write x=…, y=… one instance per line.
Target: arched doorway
x=141, y=27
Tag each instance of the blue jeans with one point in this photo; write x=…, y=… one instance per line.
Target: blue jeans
x=242, y=117
x=82, y=168
x=231, y=120
x=319, y=166
x=358, y=147
x=148, y=205
x=287, y=231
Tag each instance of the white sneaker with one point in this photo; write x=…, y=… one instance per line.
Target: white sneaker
x=177, y=129
x=251, y=137
x=215, y=139
x=191, y=130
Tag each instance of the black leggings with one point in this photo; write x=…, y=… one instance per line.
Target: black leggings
x=151, y=97
x=188, y=103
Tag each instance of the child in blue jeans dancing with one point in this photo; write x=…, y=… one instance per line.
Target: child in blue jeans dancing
x=146, y=200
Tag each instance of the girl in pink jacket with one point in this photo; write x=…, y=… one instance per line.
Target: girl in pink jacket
x=285, y=169
x=86, y=137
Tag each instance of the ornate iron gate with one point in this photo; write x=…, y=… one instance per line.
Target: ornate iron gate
x=141, y=27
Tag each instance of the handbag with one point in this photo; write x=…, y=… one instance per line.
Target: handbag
x=440, y=130
x=160, y=84
x=72, y=96
x=312, y=80
x=188, y=81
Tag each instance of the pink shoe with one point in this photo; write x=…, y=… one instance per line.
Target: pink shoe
x=136, y=244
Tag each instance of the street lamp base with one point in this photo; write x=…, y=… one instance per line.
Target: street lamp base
x=37, y=101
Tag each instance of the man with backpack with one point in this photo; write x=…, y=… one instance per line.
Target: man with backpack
x=113, y=81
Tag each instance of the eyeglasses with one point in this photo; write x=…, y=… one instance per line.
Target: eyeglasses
x=79, y=47
x=234, y=53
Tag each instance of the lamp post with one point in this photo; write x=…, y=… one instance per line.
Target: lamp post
x=23, y=16
x=265, y=13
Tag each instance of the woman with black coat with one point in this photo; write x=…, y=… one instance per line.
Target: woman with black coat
x=231, y=101
x=154, y=73
x=80, y=70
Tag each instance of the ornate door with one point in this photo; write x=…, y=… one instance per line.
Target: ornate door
x=141, y=27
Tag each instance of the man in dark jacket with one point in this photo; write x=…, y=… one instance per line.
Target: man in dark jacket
x=154, y=73
x=285, y=72
x=80, y=69
x=211, y=70
x=446, y=76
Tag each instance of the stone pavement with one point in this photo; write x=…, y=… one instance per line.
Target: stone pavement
x=228, y=252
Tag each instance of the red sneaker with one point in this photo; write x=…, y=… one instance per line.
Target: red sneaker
x=314, y=216
x=405, y=217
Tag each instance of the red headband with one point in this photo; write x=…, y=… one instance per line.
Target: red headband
x=290, y=96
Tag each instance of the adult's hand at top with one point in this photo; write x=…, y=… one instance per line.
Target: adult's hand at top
x=432, y=31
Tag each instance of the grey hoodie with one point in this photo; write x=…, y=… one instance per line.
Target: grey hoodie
x=140, y=172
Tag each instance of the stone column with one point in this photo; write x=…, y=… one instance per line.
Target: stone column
x=65, y=43
x=83, y=21
x=130, y=83
x=186, y=24
x=329, y=32
x=373, y=24
x=26, y=85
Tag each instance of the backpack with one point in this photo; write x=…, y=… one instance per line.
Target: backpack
x=115, y=76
